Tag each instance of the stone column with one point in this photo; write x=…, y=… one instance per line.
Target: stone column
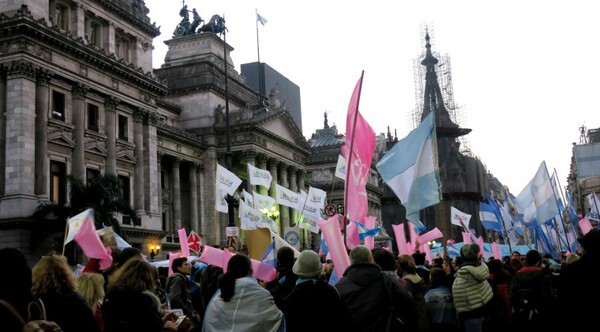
x=150, y=171
x=78, y=108
x=2, y=126
x=293, y=187
x=159, y=158
x=201, y=227
x=284, y=211
x=262, y=164
x=42, y=162
x=193, y=198
x=138, y=136
x=110, y=106
x=176, y=195
x=250, y=158
x=301, y=174
x=273, y=163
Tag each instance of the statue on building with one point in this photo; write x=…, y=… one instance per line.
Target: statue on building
x=216, y=24
x=183, y=26
x=325, y=125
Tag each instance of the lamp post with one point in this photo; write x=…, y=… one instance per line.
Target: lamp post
x=231, y=200
x=154, y=250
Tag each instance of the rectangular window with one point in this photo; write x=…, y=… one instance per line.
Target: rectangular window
x=123, y=128
x=92, y=117
x=125, y=191
x=58, y=184
x=58, y=105
x=123, y=47
x=59, y=15
x=91, y=173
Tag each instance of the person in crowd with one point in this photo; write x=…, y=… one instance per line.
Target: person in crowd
x=131, y=304
x=209, y=283
x=369, y=294
x=500, y=306
x=440, y=304
x=240, y=303
x=531, y=295
x=572, y=258
x=388, y=264
x=53, y=282
x=314, y=305
x=471, y=290
x=91, y=286
x=286, y=279
x=178, y=289
x=417, y=287
x=421, y=266
x=15, y=288
x=515, y=265
x=578, y=281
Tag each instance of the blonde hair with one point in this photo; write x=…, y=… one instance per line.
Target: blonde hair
x=134, y=274
x=52, y=275
x=407, y=264
x=572, y=258
x=91, y=287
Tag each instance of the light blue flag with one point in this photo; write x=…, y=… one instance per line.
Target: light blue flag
x=537, y=200
x=488, y=217
x=572, y=213
x=364, y=231
x=269, y=256
x=410, y=169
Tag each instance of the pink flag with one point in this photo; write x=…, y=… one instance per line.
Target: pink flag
x=480, y=243
x=496, y=250
x=213, y=256
x=90, y=243
x=358, y=150
x=370, y=223
x=585, y=226
x=413, y=238
x=352, y=239
x=225, y=259
x=400, y=238
x=333, y=237
x=263, y=271
x=466, y=237
x=172, y=256
x=429, y=236
x=185, y=249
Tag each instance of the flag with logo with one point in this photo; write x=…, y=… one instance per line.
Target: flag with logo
x=340, y=168
x=227, y=181
x=459, y=218
x=259, y=177
x=287, y=197
x=194, y=241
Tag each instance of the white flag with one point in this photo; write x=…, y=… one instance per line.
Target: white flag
x=287, y=197
x=248, y=199
x=249, y=217
x=259, y=176
x=261, y=19
x=227, y=181
x=220, y=202
x=263, y=202
x=340, y=168
x=459, y=218
x=315, y=198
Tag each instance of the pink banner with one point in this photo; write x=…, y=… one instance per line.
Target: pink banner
x=496, y=251
x=429, y=236
x=91, y=245
x=400, y=238
x=466, y=237
x=333, y=237
x=225, y=259
x=480, y=243
x=413, y=238
x=263, y=271
x=211, y=255
x=370, y=223
x=185, y=249
x=585, y=226
x=352, y=239
x=172, y=256
x=358, y=150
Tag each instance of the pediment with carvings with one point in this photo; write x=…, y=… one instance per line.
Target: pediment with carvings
x=126, y=155
x=283, y=126
x=60, y=137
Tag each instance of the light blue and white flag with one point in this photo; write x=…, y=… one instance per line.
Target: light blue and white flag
x=410, y=169
x=488, y=217
x=594, y=204
x=364, y=231
x=537, y=200
x=259, y=177
x=270, y=255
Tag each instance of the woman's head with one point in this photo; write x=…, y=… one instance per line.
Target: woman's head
x=239, y=266
x=52, y=275
x=91, y=286
x=16, y=285
x=134, y=274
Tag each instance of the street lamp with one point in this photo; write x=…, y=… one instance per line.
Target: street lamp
x=273, y=213
x=154, y=250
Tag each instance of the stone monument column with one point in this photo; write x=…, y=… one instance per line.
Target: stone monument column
x=284, y=212
x=251, y=159
x=193, y=198
x=42, y=162
x=176, y=195
x=262, y=164
x=79, y=91
x=273, y=163
x=138, y=116
x=3, y=131
x=110, y=105
x=293, y=187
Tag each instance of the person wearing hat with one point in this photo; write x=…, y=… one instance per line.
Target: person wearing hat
x=313, y=304
x=578, y=282
x=471, y=289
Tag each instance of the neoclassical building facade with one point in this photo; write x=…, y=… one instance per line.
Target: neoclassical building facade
x=79, y=96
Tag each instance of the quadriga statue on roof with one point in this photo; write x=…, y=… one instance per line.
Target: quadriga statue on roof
x=216, y=24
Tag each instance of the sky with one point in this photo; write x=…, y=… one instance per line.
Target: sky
x=525, y=73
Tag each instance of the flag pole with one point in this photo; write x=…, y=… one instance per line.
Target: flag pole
x=562, y=196
x=261, y=78
x=65, y=236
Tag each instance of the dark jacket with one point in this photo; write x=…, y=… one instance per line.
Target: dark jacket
x=281, y=287
x=178, y=293
x=538, y=283
x=129, y=310
x=70, y=312
x=578, y=284
x=365, y=290
x=314, y=305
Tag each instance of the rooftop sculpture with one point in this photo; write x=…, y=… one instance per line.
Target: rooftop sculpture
x=216, y=24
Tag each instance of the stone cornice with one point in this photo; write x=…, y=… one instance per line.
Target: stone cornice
x=135, y=13
x=143, y=232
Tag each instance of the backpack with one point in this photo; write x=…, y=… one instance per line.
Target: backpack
x=33, y=325
x=526, y=306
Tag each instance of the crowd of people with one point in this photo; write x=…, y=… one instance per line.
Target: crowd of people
x=377, y=292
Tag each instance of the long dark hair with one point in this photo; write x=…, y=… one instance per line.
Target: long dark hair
x=239, y=266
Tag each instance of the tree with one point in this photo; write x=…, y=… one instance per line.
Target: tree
x=103, y=193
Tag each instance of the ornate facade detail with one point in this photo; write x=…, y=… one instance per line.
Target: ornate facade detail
x=151, y=118
x=139, y=114
x=79, y=91
x=44, y=76
x=111, y=103
x=83, y=70
x=22, y=69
